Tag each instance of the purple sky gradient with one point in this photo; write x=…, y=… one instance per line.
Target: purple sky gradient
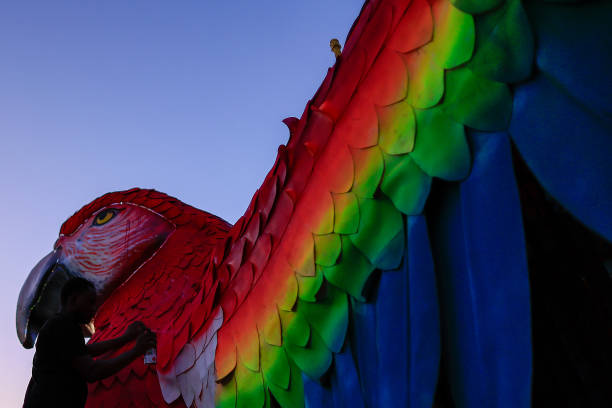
x=185, y=97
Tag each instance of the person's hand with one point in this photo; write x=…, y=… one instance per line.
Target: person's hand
x=134, y=330
x=146, y=340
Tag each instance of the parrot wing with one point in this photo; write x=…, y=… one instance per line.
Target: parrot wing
x=422, y=92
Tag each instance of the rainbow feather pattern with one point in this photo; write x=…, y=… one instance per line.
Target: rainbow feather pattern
x=423, y=91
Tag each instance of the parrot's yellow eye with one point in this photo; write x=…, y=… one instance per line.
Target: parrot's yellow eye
x=104, y=216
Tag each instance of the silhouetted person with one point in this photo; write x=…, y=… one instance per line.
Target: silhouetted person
x=63, y=363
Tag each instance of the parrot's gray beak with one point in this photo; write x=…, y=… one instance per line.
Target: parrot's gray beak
x=39, y=298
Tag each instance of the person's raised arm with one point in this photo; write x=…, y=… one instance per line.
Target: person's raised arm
x=94, y=370
x=133, y=330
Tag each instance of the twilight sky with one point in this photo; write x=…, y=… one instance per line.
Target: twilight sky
x=186, y=97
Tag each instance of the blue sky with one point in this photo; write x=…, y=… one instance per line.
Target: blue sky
x=186, y=97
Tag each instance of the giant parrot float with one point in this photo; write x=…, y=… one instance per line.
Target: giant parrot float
x=435, y=232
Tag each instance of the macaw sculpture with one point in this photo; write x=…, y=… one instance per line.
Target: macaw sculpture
x=435, y=232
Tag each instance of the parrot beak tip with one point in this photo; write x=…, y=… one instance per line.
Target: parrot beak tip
x=39, y=298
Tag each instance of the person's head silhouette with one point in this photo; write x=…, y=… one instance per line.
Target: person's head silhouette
x=78, y=299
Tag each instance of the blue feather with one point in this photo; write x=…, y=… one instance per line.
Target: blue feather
x=479, y=252
x=568, y=150
x=574, y=50
x=408, y=330
x=562, y=122
x=364, y=349
x=316, y=395
x=345, y=381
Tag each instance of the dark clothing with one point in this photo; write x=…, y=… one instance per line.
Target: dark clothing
x=55, y=383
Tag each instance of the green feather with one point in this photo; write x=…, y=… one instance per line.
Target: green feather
x=405, y=184
x=391, y=256
x=275, y=365
x=295, y=328
x=293, y=397
x=346, y=213
x=380, y=223
x=250, y=388
x=504, y=44
x=328, y=316
x=425, y=79
x=351, y=272
x=477, y=102
x=327, y=249
x=476, y=6
x=441, y=149
x=308, y=286
x=313, y=360
x=226, y=393
x=396, y=128
x=453, y=37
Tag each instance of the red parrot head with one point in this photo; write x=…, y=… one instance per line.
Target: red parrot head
x=112, y=243
x=106, y=242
